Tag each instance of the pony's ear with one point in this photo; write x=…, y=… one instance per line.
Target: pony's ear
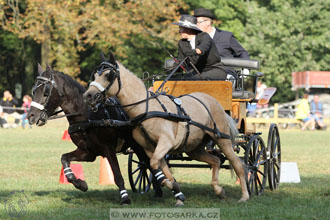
x=40, y=70
x=102, y=56
x=48, y=67
x=112, y=58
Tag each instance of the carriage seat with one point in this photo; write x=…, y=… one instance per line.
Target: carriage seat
x=240, y=63
x=243, y=95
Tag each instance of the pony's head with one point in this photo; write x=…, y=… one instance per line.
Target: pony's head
x=45, y=97
x=106, y=82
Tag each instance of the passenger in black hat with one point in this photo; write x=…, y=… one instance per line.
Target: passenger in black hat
x=225, y=41
x=200, y=49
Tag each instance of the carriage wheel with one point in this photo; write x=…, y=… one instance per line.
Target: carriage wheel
x=140, y=178
x=274, y=149
x=255, y=159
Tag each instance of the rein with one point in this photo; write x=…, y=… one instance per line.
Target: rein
x=55, y=116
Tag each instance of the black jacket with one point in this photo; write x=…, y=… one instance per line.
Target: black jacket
x=228, y=46
x=206, y=60
x=8, y=103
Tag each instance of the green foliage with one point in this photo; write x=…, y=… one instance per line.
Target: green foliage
x=18, y=61
x=288, y=36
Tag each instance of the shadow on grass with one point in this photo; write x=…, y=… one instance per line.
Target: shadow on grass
x=306, y=200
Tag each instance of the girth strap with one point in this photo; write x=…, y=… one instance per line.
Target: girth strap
x=215, y=130
x=157, y=114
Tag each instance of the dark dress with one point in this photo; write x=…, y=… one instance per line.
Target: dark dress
x=208, y=63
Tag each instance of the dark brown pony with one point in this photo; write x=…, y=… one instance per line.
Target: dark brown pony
x=54, y=89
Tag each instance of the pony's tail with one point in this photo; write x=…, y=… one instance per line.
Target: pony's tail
x=232, y=128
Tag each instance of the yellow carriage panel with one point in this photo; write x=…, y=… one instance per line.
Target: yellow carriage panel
x=221, y=90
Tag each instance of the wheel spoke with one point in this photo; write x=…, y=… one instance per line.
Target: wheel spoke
x=262, y=162
x=277, y=154
x=136, y=161
x=275, y=145
x=276, y=165
x=259, y=181
x=252, y=183
x=276, y=179
x=141, y=178
x=137, y=178
x=137, y=169
x=261, y=173
x=258, y=156
x=256, y=184
x=144, y=181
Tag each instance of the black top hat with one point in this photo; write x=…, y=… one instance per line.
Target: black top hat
x=203, y=12
x=188, y=21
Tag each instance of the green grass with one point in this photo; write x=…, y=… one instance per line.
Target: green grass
x=30, y=161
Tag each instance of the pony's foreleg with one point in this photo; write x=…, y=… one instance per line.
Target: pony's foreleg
x=119, y=180
x=163, y=146
x=76, y=155
x=214, y=162
x=227, y=149
x=171, y=183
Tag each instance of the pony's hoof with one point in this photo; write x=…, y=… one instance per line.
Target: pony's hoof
x=179, y=203
x=80, y=184
x=222, y=194
x=243, y=199
x=125, y=201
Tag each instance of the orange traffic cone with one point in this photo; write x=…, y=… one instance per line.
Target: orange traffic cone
x=106, y=174
x=66, y=136
x=76, y=169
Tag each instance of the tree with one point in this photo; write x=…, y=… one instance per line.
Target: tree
x=64, y=28
x=288, y=36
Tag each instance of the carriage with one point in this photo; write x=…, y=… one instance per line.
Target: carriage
x=92, y=137
x=262, y=160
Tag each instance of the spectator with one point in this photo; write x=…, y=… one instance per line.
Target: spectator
x=303, y=113
x=317, y=113
x=8, y=103
x=26, y=106
x=2, y=120
x=260, y=90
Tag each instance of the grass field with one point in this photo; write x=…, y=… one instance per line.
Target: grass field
x=30, y=162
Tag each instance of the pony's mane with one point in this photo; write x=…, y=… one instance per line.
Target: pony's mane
x=69, y=79
x=123, y=68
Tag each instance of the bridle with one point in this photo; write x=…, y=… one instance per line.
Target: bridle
x=113, y=75
x=49, y=84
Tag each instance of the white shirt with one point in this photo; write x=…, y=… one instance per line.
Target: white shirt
x=260, y=90
x=192, y=42
x=212, y=33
